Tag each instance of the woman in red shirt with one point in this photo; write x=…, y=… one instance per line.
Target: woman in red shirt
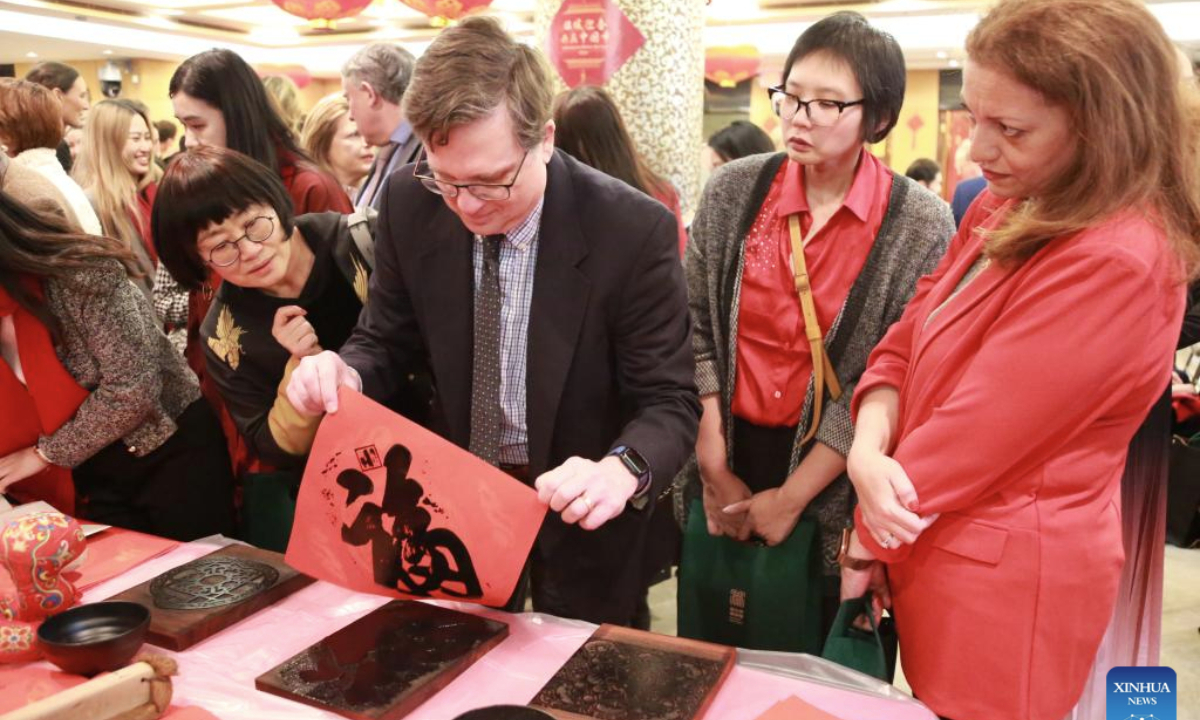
x=775, y=378
x=994, y=419
x=220, y=101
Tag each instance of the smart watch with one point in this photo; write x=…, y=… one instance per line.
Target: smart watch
x=636, y=465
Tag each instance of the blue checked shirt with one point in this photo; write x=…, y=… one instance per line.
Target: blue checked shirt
x=518, y=258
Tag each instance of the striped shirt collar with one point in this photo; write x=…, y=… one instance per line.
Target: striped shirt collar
x=522, y=236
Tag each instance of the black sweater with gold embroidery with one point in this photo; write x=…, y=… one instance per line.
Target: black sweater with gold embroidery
x=249, y=366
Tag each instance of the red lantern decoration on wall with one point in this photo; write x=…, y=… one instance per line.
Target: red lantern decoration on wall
x=728, y=66
x=322, y=14
x=443, y=11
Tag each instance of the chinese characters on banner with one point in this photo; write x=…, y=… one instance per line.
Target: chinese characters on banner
x=589, y=40
x=388, y=507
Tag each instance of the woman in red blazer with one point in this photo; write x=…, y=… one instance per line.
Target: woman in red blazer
x=992, y=421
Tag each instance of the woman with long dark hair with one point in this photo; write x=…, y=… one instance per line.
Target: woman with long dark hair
x=97, y=405
x=221, y=102
x=588, y=127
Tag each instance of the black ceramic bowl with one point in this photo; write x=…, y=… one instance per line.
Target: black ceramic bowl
x=505, y=712
x=94, y=638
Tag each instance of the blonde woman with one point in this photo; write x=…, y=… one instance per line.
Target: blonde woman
x=286, y=95
x=117, y=171
x=332, y=138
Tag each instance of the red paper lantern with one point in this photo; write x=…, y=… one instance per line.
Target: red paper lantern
x=447, y=10
x=322, y=13
x=728, y=66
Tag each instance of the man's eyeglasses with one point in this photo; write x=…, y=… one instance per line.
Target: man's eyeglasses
x=820, y=110
x=257, y=231
x=483, y=191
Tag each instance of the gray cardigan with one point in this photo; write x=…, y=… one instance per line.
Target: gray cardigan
x=111, y=343
x=916, y=230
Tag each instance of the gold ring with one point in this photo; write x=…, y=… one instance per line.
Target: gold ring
x=586, y=501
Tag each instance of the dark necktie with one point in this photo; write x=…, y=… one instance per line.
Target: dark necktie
x=378, y=173
x=485, y=375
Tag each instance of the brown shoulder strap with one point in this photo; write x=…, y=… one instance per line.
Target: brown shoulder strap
x=823, y=373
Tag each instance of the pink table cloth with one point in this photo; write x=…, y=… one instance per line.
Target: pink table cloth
x=218, y=673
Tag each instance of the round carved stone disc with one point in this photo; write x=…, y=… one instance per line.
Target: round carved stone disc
x=211, y=582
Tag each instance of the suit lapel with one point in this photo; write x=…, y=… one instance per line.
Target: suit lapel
x=974, y=293
x=556, y=314
x=446, y=284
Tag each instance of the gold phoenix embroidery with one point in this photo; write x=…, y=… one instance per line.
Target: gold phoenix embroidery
x=228, y=342
x=360, y=280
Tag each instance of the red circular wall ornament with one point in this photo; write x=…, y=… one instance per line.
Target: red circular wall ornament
x=322, y=13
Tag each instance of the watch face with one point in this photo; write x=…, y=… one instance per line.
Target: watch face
x=635, y=462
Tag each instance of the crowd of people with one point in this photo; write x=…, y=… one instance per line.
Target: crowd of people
x=825, y=341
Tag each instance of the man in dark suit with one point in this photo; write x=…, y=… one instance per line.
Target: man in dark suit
x=550, y=304
x=374, y=81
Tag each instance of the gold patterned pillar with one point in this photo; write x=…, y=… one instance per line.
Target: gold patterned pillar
x=660, y=89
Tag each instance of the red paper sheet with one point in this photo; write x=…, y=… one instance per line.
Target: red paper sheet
x=388, y=507
x=115, y=550
x=793, y=708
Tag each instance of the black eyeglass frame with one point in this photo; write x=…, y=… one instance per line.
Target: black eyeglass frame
x=434, y=185
x=840, y=104
x=234, y=243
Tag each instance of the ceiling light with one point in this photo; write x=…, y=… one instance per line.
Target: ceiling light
x=954, y=63
x=107, y=52
x=30, y=54
x=942, y=54
x=277, y=35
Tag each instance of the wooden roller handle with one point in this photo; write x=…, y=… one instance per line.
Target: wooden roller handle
x=101, y=698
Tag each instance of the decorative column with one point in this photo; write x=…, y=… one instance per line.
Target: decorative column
x=659, y=87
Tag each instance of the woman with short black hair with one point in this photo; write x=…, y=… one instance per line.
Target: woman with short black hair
x=290, y=286
x=776, y=386
x=224, y=213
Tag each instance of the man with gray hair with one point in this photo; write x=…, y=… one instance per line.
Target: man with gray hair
x=374, y=81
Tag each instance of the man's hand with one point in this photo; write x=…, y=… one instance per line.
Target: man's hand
x=20, y=465
x=315, y=381
x=587, y=492
x=295, y=333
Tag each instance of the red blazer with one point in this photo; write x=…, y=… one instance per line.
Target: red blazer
x=1017, y=404
x=311, y=189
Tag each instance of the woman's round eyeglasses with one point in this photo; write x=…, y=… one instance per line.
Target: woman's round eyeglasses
x=257, y=231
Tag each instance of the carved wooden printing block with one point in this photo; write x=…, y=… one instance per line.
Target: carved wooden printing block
x=624, y=674
x=385, y=664
x=203, y=597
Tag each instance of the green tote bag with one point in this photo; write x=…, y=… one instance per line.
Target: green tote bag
x=872, y=653
x=749, y=595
